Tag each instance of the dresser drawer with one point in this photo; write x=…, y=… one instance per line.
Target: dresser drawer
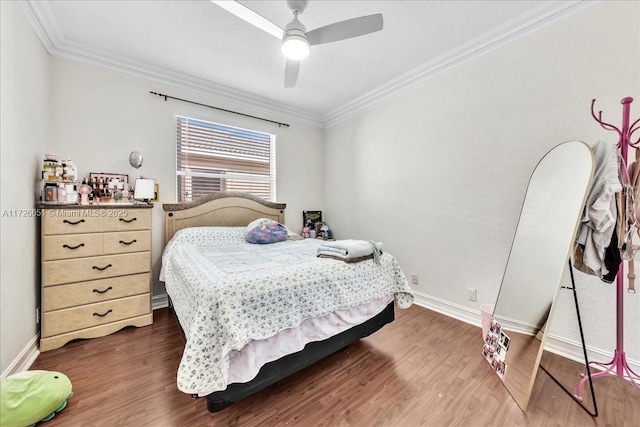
x=128, y=219
x=71, y=221
x=73, y=319
x=127, y=241
x=71, y=246
x=83, y=269
x=75, y=294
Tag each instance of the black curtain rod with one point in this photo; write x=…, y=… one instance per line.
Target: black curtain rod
x=216, y=108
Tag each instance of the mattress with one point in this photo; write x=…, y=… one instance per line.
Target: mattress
x=230, y=296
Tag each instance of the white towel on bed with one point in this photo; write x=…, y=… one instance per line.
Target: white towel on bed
x=350, y=249
x=332, y=251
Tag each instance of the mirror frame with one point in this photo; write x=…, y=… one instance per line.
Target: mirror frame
x=518, y=373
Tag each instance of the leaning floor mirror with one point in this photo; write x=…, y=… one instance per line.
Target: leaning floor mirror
x=539, y=253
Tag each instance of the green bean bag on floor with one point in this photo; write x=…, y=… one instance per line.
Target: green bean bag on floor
x=32, y=396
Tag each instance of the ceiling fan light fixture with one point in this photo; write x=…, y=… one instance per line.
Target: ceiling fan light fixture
x=295, y=46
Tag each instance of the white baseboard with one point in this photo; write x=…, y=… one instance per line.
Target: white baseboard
x=555, y=344
x=573, y=350
x=447, y=308
x=25, y=359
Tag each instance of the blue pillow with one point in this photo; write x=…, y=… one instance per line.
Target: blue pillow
x=267, y=233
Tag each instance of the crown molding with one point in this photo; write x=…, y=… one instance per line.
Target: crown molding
x=45, y=26
x=536, y=19
x=188, y=83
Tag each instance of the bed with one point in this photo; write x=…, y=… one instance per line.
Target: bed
x=253, y=314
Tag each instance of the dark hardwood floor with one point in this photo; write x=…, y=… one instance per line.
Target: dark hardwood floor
x=424, y=369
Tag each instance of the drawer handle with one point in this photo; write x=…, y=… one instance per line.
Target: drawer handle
x=103, y=292
x=102, y=268
x=66, y=221
x=102, y=315
x=128, y=220
x=73, y=247
x=128, y=243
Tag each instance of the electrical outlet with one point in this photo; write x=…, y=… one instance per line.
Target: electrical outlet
x=414, y=279
x=471, y=294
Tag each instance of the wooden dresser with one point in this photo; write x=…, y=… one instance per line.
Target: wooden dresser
x=96, y=271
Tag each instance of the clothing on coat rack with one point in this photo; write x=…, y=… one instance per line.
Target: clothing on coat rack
x=633, y=219
x=597, y=251
x=618, y=363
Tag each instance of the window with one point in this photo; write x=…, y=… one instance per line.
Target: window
x=215, y=157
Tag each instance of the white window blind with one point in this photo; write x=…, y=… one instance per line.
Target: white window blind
x=216, y=157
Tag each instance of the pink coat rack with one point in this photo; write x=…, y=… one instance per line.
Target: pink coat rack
x=619, y=363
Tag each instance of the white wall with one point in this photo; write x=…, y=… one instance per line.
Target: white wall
x=24, y=109
x=439, y=173
x=99, y=116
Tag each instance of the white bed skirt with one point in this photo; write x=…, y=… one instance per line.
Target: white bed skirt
x=246, y=363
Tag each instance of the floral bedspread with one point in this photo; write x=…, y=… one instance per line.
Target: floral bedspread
x=227, y=292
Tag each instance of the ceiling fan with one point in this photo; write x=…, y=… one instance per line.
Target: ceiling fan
x=296, y=40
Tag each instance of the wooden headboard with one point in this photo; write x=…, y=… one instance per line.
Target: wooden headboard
x=219, y=209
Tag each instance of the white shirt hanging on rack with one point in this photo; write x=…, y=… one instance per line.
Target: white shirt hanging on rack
x=598, y=222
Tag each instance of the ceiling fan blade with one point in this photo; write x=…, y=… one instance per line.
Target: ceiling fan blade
x=291, y=70
x=346, y=29
x=253, y=18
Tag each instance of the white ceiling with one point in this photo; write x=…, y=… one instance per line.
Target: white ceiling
x=199, y=45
